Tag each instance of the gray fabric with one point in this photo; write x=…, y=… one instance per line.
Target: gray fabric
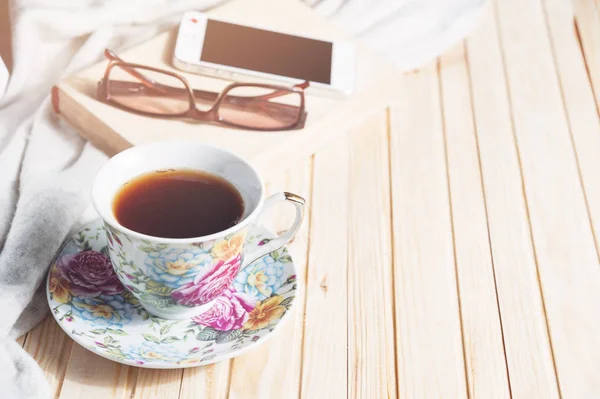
x=46, y=168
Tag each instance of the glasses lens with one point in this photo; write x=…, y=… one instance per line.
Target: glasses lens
x=147, y=91
x=260, y=107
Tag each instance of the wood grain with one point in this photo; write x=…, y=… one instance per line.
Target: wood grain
x=21, y=340
x=526, y=342
x=158, y=384
x=325, y=351
x=482, y=331
x=51, y=349
x=430, y=364
x=565, y=249
x=91, y=377
x=587, y=25
x=272, y=370
x=210, y=382
x=371, y=346
x=579, y=103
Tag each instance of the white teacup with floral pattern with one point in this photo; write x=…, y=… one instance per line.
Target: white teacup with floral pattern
x=182, y=278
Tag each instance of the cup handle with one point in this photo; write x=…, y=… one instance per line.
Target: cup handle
x=286, y=237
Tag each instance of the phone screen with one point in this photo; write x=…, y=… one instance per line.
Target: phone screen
x=266, y=51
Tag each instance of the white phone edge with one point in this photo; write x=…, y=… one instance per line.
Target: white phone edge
x=188, y=48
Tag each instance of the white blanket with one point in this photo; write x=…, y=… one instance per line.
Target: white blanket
x=46, y=168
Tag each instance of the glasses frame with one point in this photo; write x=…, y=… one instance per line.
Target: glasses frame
x=212, y=114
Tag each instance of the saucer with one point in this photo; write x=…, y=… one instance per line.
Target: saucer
x=119, y=328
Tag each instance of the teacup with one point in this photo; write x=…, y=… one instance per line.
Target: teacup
x=179, y=278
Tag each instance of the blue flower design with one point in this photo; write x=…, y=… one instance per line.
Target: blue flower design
x=261, y=279
x=103, y=310
x=177, y=266
x=150, y=352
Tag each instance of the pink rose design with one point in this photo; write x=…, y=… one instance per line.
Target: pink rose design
x=207, y=287
x=229, y=312
x=90, y=274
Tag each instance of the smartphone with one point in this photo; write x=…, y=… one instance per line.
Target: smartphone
x=246, y=53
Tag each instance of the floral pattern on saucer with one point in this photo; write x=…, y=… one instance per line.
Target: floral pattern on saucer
x=92, y=306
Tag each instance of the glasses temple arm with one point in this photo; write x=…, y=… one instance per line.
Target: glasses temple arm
x=124, y=87
x=120, y=87
x=113, y=57
x=207, y=95
x=151, y=84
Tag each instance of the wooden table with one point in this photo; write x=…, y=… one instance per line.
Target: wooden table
x=450, y=248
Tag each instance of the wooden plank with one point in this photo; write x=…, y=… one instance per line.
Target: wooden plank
x=567, y=259
x=430, y=363
x=272, y=370
x=579, y=103
x=587, y=23
x=324, y=357
x=21, y=340
x=482, y=331
x=207, y=382
x=526, y=342
x=155, y=384
x=90, y=376
x=51, y=349
x=371, y=353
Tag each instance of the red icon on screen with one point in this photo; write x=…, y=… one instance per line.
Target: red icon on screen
x=194, y=20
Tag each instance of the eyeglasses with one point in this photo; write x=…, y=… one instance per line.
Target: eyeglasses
x=160, y=93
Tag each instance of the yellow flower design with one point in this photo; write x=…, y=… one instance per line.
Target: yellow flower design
x=179, y=267
x=152, y=355
x=100, y=310
x=259, y=280
x=264, y=313
x=59, y=287
x=104, y=311
x=227, y=249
